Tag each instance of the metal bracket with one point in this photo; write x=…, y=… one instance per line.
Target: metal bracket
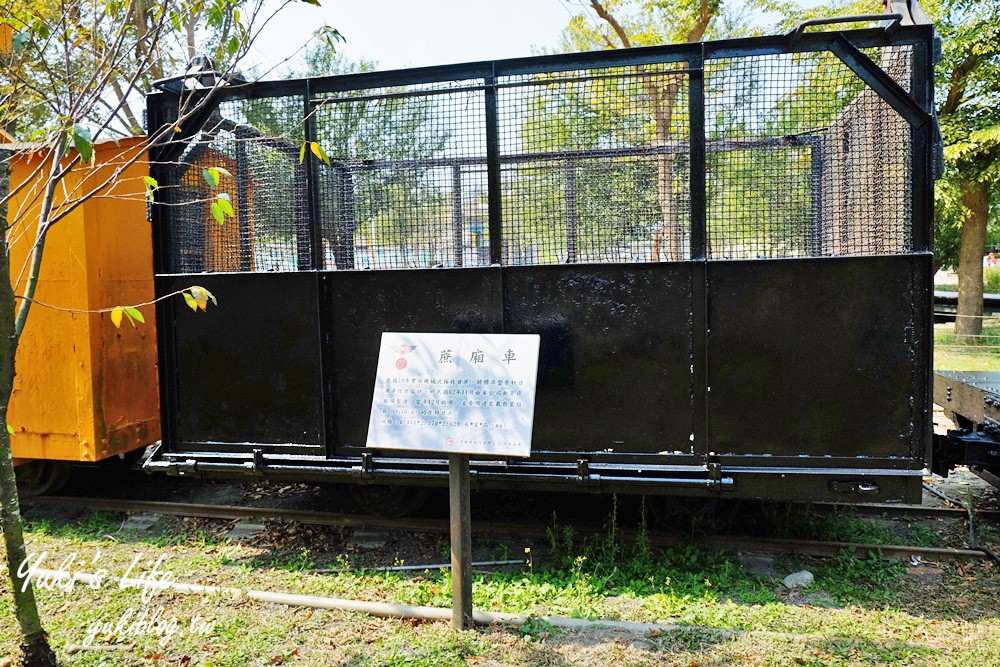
x=367, y=468
x=187, y=467
x=880, y=82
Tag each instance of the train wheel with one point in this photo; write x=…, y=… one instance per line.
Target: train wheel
x=390, y=501
x=40, y=477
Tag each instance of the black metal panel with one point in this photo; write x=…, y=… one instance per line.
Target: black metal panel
x=248, y=370
x=615, y=360
x=363, y=304
x=816, y=357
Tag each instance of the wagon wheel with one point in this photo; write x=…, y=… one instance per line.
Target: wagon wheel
x=41, y=476
x=390, y=501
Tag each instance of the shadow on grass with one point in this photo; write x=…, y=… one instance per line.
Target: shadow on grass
x=577, y=574
x=866, y=651
x=558, y=649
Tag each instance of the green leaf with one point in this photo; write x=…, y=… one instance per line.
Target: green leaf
x=330, y=35
x=83, y=143
x=223, y=171
x=151, y=186
x=302, y=152
x=20, y=41
x=217, y=212
x=312, y=2
x=211, y=176
x=225, y=206
x=10, y=429
x=190, y=301
x=135, y=314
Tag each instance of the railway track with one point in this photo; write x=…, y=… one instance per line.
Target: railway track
x=536, y=530
x=915, y=511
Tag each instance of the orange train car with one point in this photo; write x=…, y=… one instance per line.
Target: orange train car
x=85, y=390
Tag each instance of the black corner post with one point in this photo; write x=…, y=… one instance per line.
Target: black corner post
x=696, y=129
x=493, y=170
x=162, y=263
x=461, y=541
x=699, y=248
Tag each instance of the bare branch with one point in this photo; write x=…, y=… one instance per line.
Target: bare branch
x=613, y=22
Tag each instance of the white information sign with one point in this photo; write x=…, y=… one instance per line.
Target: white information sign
x=455, y=393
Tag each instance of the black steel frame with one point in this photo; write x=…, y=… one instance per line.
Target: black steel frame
x=895, y=477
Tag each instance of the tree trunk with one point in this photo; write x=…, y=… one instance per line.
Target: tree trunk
x=35, y=650
x=976, y=200
x=667, y=239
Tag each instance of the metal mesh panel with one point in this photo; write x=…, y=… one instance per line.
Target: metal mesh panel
x=803, y=159
x=257, y=142
x=595, y=166
x=406, y=184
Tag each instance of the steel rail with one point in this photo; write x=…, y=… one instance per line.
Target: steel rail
x=533, y=530
x=875, y=509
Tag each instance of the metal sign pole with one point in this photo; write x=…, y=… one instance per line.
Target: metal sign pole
x=461, y=541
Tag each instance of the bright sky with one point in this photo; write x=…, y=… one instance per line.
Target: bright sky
x=414, y=33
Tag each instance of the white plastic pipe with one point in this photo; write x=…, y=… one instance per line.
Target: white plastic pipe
x=381, y=609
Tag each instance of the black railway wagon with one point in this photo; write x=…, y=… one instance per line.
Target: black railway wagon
x=724, y=246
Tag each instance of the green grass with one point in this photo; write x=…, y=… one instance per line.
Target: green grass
x=961, y=353
x=863, y=611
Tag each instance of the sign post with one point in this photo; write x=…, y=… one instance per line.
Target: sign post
x=456, y=394
x=461, y=540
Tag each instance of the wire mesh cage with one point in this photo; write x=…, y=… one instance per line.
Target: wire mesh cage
x=803, y=159
x=593, y=164
x=406, y=182
x=254, y=146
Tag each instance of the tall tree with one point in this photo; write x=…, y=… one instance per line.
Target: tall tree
x=641, y=24
x=660, y=100
x=968, y=86
x=68, y=74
